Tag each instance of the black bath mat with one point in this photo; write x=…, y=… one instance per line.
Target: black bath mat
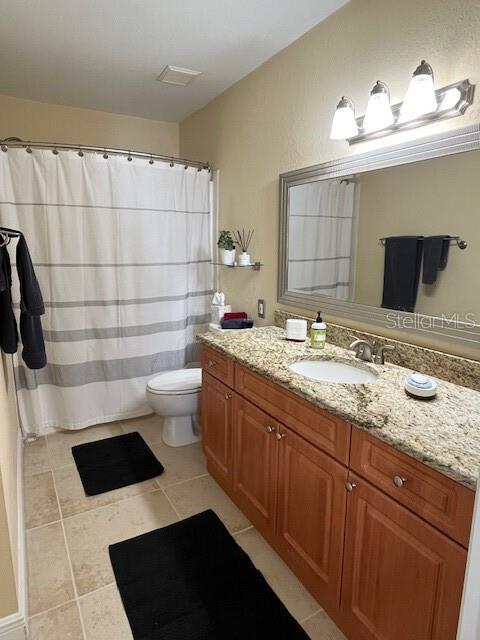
x=191, y=581
x=116, y=462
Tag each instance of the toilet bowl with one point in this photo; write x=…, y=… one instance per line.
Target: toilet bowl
x=175, y=395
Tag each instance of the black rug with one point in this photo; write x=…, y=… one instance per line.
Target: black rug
x=191, y=581
x=116, y=462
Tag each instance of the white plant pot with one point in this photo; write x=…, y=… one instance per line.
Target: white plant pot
x=227, y=256
x=244, y=259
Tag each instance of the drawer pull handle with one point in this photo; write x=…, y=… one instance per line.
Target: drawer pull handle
x=350, y=486
x=212, y=363
x=270, y=429
x=399, y=481
x=280, y=435
x=228, y=396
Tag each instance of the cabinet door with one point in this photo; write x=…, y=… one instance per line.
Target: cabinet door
x=311, y=515
x=217, y=429
x=255, y=464
x=402, y=578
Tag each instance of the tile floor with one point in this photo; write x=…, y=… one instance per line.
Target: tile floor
x=72, y=593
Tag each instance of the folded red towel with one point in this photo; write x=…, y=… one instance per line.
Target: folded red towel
x=235, y=315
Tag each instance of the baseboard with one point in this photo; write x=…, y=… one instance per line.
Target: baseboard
x=13, y=627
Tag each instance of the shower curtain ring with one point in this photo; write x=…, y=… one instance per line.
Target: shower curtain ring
x=172, y=163
x=4, y=147
x=80, y=153
x=105, y=155
x=55, y=151
x=151, y=160
x=129, y=157
x=28, y=149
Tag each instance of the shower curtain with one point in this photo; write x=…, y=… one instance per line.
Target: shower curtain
x=320, y=237
x=122, y=252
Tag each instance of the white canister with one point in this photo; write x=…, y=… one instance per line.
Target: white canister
x=296, y=329
x=244, y=259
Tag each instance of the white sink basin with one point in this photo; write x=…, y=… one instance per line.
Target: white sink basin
x=329, y=371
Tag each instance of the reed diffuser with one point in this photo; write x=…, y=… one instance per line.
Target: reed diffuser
x=243, y=239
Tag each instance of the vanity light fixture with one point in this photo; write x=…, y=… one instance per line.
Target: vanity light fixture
x=423, y=105
x=379, y=112
x=420, y=98
x=344, y=124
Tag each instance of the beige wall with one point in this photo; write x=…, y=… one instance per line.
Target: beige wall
x=38, y=121
x=278, y=118
x=425, y=198
x=8, y=489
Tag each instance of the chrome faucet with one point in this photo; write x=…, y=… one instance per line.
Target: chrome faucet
x=369, y=352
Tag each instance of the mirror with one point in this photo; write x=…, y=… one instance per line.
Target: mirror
x=385, y=241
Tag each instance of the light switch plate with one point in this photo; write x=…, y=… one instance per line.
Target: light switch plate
x=261, y=308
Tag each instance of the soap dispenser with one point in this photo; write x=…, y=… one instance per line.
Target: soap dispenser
x=318, y=333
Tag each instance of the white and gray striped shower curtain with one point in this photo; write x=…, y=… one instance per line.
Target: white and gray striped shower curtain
x=320, y=236
x=122, y=251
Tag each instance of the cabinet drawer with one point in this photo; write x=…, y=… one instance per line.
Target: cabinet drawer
x=218, y=365
x=444, y=503
x=326, y=431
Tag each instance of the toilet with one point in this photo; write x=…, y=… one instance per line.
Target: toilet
x=175, y=395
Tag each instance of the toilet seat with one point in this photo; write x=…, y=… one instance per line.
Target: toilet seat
x=176, y=382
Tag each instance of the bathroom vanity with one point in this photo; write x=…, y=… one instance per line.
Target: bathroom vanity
x=365, y=493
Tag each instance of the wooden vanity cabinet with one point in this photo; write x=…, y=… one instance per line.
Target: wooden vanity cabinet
x=255, y=465
x=311, y=510
x=402, y=579
x=375, y=535
x=217, y=429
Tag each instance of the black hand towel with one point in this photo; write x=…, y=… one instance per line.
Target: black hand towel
x=403, y=259
x=435, y=257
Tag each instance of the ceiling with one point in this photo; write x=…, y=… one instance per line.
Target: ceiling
x=106, y=54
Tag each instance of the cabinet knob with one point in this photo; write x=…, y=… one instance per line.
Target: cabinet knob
x=211, y=363
x=270, y=429
x=280, y=435
x=399, y=481
x=228, y=396
x=350, y=486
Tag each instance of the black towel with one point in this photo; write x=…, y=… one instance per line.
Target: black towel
x=435, y=257
x=8, y=324
x=403, y=259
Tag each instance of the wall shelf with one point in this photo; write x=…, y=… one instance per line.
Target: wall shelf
x=255, y=265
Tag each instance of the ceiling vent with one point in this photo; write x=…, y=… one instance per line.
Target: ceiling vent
x=177, y=75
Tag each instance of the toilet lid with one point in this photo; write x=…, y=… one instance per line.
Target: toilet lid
x=177, y=381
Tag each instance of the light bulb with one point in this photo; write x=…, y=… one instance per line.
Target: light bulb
x=420, y=98
x=379, y=112
x=344, y=125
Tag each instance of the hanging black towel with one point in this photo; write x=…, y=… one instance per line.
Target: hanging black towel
x=8, y=324
x=31, y=307
x=435, y=257
x=403, y=259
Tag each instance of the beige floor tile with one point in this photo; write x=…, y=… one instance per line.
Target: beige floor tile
x=60, y=444
x=40, y=500
x=181, y=463
x=62, y=623
x=73, y=499
x=193, y=496
x=149, y=427
x=321, y=627
x=104, y=616
x=49, y=579
x=90, y=533
x=35, y=457
x=290, y=591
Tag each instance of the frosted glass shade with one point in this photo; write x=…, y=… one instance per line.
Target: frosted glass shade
x=379, y=113
x=420, y=98
x=344, y=124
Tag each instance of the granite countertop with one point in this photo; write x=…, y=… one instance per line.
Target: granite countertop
x=444, y=433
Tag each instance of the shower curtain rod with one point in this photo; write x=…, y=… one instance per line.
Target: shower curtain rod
x=55, y=147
